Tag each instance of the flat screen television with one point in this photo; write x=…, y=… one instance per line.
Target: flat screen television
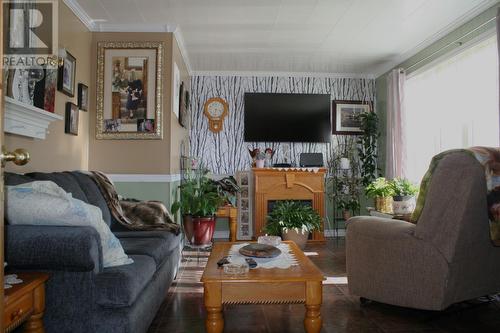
x=287, y=117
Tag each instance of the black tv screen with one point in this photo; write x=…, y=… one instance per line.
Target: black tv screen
x=287, y=117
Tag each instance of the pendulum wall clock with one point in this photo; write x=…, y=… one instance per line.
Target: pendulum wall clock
x=215, y=110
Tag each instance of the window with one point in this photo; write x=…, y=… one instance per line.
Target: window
x=452, y=104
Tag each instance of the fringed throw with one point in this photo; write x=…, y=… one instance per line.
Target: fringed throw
x=132, y=214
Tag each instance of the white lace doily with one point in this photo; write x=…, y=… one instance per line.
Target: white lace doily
x=285, y=260
x=305, y=169
x=9, y=280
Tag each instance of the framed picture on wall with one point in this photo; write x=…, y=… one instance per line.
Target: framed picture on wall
x=129, y=90
x=83, y=97
x=71, y=120
x=177, y=92
x=345, y=116
x=183, y=105
x=67, y=75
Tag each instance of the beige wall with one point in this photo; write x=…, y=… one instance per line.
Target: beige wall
x=133, y=156
x=178, y=133
x=62, y=151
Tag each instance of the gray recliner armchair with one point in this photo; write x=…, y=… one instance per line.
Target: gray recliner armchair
x=447, y=257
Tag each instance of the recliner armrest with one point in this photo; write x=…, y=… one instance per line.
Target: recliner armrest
x=59, y=248
x=381, y=228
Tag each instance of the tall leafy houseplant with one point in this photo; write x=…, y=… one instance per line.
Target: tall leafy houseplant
x=199, y=199
x=293, y=221
x=367, y=146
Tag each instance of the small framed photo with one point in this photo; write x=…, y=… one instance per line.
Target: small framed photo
x=345, y=117
x=83, y=97
x=71, y=121
x=67, y=75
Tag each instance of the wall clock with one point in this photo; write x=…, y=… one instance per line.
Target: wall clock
x=215, y=110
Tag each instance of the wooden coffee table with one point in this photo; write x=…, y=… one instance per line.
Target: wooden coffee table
x=297, y=284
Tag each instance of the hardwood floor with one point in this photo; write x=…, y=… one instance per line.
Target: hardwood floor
x=183, y=310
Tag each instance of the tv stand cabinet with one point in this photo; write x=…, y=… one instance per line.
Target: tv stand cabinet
x=275, y=184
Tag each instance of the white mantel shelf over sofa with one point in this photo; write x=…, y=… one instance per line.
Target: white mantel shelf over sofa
x=27, y=120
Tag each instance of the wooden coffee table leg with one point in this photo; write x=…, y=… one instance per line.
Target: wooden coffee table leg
x=314, y=292
x=213, y=304
x=34, y=324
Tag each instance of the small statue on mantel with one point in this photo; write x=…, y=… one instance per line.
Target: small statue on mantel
x=269, y=156
x=253, y=154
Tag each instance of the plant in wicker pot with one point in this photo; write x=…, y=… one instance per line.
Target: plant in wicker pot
x=199, y=199
x=292, y=220
x=381, y=190
x=403, y=196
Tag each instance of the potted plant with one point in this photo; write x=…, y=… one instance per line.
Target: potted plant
x=367, y=146
x=344, y=182
x=348, y=206
x=381, y=191
x=198, y=203
x=403, y=196
x=260, y=160
x=293, y=221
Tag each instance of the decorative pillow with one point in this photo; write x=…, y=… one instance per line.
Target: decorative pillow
x=45, y=203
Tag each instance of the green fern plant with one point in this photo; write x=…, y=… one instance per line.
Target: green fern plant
x=292, y=215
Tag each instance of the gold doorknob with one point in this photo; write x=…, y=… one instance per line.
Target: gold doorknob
x=19, y=156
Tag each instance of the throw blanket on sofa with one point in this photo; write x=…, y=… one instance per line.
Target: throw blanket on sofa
x=490, y=160
x=135, y=215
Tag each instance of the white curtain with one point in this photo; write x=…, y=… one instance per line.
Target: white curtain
x=452, y=104
x=498, y=55
x=395, y=146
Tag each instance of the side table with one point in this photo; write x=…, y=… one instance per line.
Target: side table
x=231, y=213
x=24, y=303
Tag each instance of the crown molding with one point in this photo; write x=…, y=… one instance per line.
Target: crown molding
x=97, y=26
x=285, y=74
x=479, y=9
x=81, y=14
x=110, y=27
x=182, y=48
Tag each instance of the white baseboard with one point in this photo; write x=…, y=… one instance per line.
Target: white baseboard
x=143, y=178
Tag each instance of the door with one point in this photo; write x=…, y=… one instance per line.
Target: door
x=19, y=157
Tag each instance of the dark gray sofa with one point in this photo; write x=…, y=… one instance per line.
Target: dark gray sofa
x=81, y=295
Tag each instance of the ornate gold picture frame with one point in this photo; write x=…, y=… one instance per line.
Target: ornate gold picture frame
x=129, y=90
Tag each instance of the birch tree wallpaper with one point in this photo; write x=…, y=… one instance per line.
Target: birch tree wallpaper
x=225, y=152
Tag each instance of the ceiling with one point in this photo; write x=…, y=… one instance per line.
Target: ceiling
x=359, y=37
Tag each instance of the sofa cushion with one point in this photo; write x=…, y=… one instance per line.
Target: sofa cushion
x=46, y=203
x=93, y=194
x=119, y=286
x=12, y=179
x=170, y=240
x=64, y=180
x=156, y=248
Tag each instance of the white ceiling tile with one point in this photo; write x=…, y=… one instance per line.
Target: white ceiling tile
x=291, y=35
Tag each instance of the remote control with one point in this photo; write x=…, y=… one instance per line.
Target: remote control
x=222, y=262
x=251, y=263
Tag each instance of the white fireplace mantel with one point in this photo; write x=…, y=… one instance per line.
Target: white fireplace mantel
x=27, y=120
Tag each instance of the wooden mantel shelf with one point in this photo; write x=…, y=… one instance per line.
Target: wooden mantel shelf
x=288, y=184
x=27, y=120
